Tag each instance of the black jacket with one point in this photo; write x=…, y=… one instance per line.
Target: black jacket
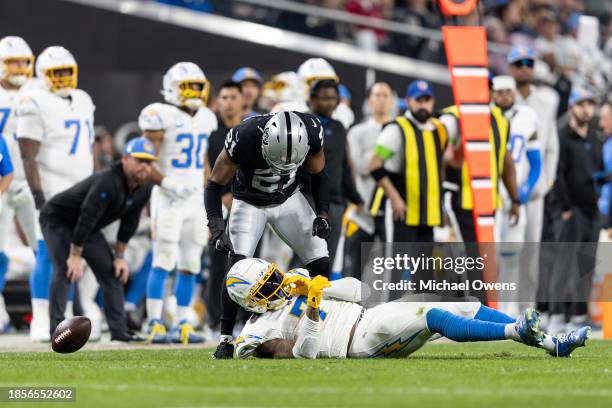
x=341, y=182
x=579, y=161
x=97, y=201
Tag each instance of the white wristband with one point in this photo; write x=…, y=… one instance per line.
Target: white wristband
x=308, y=339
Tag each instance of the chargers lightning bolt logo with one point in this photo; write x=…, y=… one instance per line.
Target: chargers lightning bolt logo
x=394, y=347
x=232, y=281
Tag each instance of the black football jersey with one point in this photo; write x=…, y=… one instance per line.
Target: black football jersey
x=255, y=183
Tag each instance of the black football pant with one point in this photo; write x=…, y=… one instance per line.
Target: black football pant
x=572, y=276
x=99, y=257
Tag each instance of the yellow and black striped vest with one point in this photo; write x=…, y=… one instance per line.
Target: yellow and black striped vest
x=420, y=182
x=498, y=138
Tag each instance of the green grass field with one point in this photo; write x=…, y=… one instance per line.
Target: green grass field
x=458, y=375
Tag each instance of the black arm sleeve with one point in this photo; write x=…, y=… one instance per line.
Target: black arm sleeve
x=561, y=188
x=100, y=194
x=129, y=225
x=348, y=183
x=320, y=191
x=213, y=200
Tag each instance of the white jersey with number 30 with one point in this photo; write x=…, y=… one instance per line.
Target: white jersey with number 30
x=185, y=142
x=64, y=128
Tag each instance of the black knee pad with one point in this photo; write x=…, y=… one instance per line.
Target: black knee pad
x=319, y=267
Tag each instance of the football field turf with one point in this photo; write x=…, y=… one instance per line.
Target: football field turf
x=449, y=374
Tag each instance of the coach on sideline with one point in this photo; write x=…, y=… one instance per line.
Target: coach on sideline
x=71, y=222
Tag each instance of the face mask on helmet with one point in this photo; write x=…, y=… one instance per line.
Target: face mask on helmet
x=194, y=93
x=18, y=70
x=61, y=79
x=269, y=293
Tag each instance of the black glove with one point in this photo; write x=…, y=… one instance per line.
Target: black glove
x=320, y=227
x=39, y=199
x=220, y=240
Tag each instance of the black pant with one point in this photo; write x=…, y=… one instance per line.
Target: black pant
x=214, y=286
x=353, y=257
x=99, y=257
x=572, y=276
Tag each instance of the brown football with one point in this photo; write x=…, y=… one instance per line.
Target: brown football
x=71, y=334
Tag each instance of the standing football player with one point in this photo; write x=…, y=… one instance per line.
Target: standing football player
x=16, y=68
x=179, y=129
x=55, y=133
x=267, y=156
x=524, y=148
x=312, y=70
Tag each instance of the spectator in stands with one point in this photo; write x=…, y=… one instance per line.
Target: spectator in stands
x=250, y=82
x=362, y=139
x=575, y=198
x=229, y=104
x=368, y=37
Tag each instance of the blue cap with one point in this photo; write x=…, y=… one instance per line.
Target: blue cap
x=244, y=73
x=419, y=88
x=521, y=52
x=580, y=94
x=344, y=92
x=140, y=148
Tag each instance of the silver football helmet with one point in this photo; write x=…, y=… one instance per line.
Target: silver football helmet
x=285, y=142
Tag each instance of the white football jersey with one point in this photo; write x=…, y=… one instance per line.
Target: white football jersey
x=337, y=319
x=65, y=129
x=8, y=125
x=523, y=138
x=185, y=142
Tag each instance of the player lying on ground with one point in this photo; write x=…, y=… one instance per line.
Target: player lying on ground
x=299, y=317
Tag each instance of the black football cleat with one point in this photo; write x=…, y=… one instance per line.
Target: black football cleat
x=225, y=351
x=128, y=337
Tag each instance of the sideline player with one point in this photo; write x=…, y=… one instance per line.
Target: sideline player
x=179, y=129
x=16, y=69
x=523, y=146
x=267, y=157
x=299, y=317
x=312, y=70
x=55, y=133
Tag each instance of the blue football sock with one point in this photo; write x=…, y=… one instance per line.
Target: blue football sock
x=138, y=284
x=71, y=290
x=459, y=328
x=156, y=283
x=488, y=314
x=4, y=262
x=40, y=278
x=183, y=288
x=3, y=270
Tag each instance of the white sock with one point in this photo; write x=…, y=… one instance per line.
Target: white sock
x=154, y=308
x=548, y=344
x=225, y=337
x=69, y=309
x=129, y=307
x=511, y=333
x=182, y=312
x=40, y=309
